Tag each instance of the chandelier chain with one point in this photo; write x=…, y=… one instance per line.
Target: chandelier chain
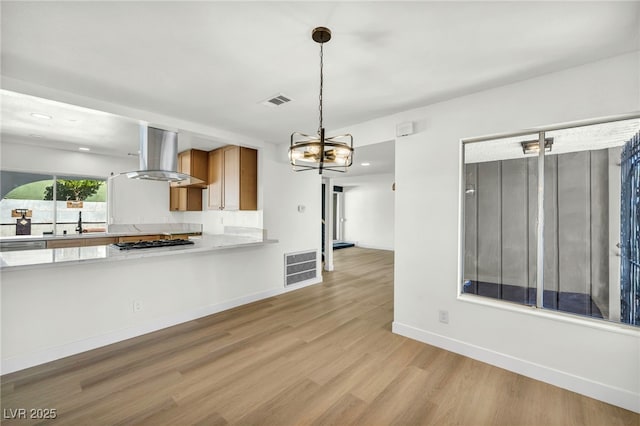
x=321, y=86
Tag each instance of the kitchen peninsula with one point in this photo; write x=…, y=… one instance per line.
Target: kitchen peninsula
x=115, y=234
x=75, y=299
x=46, y=257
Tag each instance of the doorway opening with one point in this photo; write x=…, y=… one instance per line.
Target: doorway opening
x=358, y=206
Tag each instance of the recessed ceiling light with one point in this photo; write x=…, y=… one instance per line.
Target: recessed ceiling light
x=365, y=164
x=33, y=135
x=84, y=148
x=42, y=116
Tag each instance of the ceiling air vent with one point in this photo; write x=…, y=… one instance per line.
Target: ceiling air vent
x=276, y=100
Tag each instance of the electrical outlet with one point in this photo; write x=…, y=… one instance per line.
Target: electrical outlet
x=137, y=306
x=443, y=317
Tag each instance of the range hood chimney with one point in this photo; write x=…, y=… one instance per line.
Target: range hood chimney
x=159, y=157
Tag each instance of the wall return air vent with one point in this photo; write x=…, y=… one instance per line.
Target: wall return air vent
x=300, y=267
x=276, y=100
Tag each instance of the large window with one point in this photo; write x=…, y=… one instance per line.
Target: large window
x=36, y=204
x=554, y=210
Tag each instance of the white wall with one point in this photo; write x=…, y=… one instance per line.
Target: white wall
x=214, y=221
x=369, y=210
x=285, y=190
x=586, y=356
x=138, y=201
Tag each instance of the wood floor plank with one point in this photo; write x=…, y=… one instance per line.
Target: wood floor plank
x=279, y=409
x=337, y=388
x=321, y=355
x=343, y=412
x=402, y=401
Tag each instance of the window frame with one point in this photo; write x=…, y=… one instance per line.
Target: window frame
x=54, y=178
x=538, y=309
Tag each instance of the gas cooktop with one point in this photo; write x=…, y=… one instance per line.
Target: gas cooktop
x=152, y=244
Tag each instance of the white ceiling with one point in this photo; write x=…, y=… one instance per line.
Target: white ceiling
x=69, y=127
x=380, y=158
x=213, y=62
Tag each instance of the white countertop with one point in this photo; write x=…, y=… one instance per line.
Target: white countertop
x=29, y=238
x=123, y=230
x=25, y=238
x=28, y=259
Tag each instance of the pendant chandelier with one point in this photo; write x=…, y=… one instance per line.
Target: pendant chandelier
x=310, y=152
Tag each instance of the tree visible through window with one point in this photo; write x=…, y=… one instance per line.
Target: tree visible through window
x=31, y=195
x=76, y=190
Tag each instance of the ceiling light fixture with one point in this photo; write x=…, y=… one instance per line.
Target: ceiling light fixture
x=365, y=164
x=82, y=148
x=309, y=152
x=533, y=147
x=42, y=116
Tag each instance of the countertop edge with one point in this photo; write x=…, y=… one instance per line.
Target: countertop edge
x=88, y=235
x=132, y=255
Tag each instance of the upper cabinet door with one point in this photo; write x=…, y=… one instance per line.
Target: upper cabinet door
x=184, y=162
x=194, y=162
x=199, y=166
x=233, y=178
x=248, y=179
x=215, y=180
x=231, y=190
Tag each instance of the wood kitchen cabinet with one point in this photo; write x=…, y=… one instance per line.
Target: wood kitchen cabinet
x=137, y=238
x=194, y=162
x=233, y=178
x=103, y=241
x=185, y=199
x=188, y=197
x=80, y=242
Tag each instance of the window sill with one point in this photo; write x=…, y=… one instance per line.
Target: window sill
x=601, y=324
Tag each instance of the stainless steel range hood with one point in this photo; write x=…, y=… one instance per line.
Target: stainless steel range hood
x=159, y=157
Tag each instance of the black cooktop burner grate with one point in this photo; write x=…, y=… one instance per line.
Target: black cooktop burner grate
x=152, y=244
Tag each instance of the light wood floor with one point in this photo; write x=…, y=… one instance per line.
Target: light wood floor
x=320, y=355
